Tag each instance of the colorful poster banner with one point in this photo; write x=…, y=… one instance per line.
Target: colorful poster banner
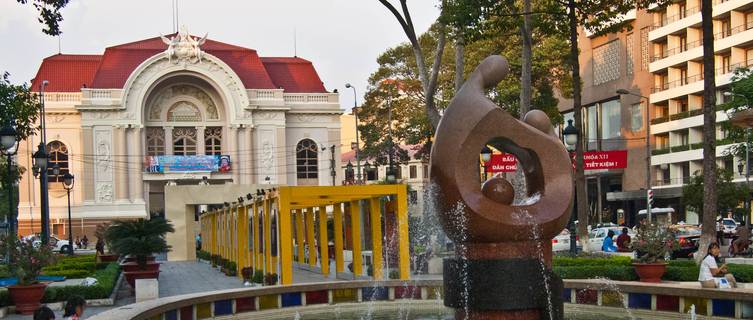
x=166, y=164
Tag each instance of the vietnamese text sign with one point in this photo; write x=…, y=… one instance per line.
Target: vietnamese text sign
x=504, y=162
x=592, y=160
x=600, y=160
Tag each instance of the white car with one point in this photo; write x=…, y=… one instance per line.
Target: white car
x=596, y=237
x=562, y=241
x=57, y=244
x=729, y=227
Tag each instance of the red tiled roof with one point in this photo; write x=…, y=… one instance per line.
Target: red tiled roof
x=66, y=72
x=293, y=74
x=119, y=62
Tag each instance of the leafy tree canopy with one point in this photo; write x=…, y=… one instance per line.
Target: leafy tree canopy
x=49, y=14
x=729, y=194
x=742, y=94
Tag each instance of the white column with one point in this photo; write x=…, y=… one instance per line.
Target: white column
x=136, y=157
x=248, y=147
x=200, y=146
x=168, y=140
x=234, y=151
x=120, y=163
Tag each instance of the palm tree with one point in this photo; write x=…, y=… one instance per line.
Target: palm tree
x=139, y=238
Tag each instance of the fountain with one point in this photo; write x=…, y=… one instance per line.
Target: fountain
x=503, y=264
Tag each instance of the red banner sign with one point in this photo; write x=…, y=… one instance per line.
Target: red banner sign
x=504, y=162
x=592, y=160
x=603, y=160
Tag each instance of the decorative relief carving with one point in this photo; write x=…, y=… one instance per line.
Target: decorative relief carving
x=305, y=117
x=268, y=115
x=267, y=156
x=169, y=94
x=56, y=118
x=104, y=155
x=183, y=47
x=104, y=192
x=107, y=115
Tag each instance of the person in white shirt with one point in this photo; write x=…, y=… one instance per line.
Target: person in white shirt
x=710, y=273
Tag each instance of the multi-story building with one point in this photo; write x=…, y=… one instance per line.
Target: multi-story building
x=177, y=110
x=677, y=88
x=609, y=62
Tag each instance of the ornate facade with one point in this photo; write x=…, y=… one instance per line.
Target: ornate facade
x=115, y=120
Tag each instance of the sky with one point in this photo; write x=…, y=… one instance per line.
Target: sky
x=341, y=37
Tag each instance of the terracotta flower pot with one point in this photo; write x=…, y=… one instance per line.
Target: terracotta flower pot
x=134, y=266
x=650, y=272
x=26, y=298
x=133, y=275
x=108, y=257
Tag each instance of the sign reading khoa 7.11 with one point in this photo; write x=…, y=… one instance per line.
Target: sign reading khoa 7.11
x=592, y=160
x=166, y=164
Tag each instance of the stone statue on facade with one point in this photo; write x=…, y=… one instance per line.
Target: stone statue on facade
x=184, y=47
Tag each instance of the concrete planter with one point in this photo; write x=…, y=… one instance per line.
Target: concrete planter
x=134, y=266
x=133, y=275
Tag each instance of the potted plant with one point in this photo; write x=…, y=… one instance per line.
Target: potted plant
x=101, y=233
x=258, y=277
x=653, y=245
x=140, y=239
x=247, y=273
x=270, y=279
x=26, y=265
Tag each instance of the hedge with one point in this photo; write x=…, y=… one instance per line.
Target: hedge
x=106, y=279
x=619, y=268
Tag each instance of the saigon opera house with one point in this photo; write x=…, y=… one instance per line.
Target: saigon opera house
x=176, y=109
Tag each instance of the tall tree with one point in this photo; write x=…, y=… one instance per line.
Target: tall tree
x=525, y=59
x=49, y=14
x=729, y=193
x=428, y=77
x=709, y=126
x=20, y=109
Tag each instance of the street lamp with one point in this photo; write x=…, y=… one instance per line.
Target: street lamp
x=746, y=219
x=56, y=170
x=366, y=170
x=349, y=172
x=648, y=150
x=358, y=145
x=571, y=138
x=486, y=156
x=40, y=158
x=9, y=142
x=68, y=182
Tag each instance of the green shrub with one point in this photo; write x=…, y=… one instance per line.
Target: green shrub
x=742, y=272
x=394, y=275
x=270, y=279
x=69, y=274
x=681, y=273
x=5, y=271
x=618, y=273
x=203, y=255
x=602, y=261
x=4, y=298
x=258, y=276
x=106, y=279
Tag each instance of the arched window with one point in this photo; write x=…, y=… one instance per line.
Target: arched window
x=155, y=141
x=306, y=155
x=213, y=141
x=58, y=155
x=184, y=141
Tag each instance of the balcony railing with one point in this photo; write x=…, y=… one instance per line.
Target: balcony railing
x=62, y=97
x=671, y=181
x=677, y=17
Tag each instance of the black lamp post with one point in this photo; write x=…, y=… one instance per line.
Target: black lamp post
x=571, y=138
x=9, y=141
x=68, y=182
x=486, y=156
x=40, y=162
x=358, y=145
x=349, y=172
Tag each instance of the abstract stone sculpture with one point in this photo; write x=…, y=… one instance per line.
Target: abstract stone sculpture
x=503, y=268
